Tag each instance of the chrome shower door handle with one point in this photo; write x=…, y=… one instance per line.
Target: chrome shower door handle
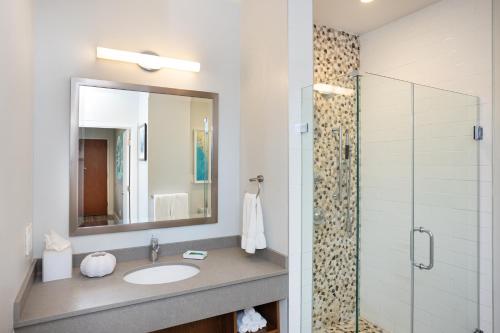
x=431, y=249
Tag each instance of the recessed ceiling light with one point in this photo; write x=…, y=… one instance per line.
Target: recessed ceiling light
x=366, y=1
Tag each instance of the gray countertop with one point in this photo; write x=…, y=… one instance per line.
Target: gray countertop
x=81, y=295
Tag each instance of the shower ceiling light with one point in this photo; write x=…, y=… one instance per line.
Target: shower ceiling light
x=366, y=1
x=147, y=61
x=328, y=89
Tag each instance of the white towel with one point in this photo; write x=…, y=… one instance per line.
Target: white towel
x=250, y=320
x=162, y=206
x=180, y=209
x=174, y=206
x=252, y=236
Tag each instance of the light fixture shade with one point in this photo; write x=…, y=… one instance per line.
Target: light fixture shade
x=328, y=89
x=147, y=61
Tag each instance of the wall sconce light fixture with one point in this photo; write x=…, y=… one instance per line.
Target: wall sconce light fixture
x=147, y=60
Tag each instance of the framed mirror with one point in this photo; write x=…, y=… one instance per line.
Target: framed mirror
x=141, y=157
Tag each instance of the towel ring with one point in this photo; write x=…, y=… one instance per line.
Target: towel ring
x=259, y=179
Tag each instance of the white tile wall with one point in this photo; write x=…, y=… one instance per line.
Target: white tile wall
x=446, y=45
x=385, y=202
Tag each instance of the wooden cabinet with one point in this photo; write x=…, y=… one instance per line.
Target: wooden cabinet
x=226, y=323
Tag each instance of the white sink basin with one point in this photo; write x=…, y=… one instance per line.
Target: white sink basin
x=161, y=274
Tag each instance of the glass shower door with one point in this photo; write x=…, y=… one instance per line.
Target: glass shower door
x=385, y=205
x=410, y=264
x=418, y=242
x=445, y=212
x=307, y=207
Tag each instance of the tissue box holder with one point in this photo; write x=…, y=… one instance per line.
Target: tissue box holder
x=57, y=265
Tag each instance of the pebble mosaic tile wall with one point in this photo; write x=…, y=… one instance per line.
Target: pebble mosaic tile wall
x=336, y=55
x=350, y=327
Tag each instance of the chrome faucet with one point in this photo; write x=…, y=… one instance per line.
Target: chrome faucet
x=154, y=249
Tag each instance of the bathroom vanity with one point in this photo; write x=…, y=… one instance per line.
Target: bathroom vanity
x=145, y=157
x=229, y=280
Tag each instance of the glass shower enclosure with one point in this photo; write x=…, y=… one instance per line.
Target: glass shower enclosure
x=390, y=223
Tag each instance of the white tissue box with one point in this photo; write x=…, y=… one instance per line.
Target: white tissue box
x=57, y=265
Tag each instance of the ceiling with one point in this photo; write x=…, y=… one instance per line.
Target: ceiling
x=356, y=17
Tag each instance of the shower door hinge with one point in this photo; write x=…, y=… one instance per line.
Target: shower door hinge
x=478, y=133
x=302, y=128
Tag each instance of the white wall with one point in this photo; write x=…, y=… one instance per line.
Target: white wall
x=16, y=114
x=169, y=140
x=264, y=117
x=66, y=35
x=264, y=112
x=109, y=108
x=496, y=168
x=300, y=74
x=446, y=45
x=171, y=165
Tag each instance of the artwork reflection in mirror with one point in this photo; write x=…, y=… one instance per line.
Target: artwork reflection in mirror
x=138, y=161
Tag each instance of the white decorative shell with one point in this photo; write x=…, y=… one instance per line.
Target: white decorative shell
x=98, y=264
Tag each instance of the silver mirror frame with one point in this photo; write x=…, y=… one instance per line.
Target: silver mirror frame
x=74, y=230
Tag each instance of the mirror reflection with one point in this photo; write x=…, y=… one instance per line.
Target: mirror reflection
x=143, y=157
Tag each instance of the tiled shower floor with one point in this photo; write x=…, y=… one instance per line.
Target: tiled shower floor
x=365, y=327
